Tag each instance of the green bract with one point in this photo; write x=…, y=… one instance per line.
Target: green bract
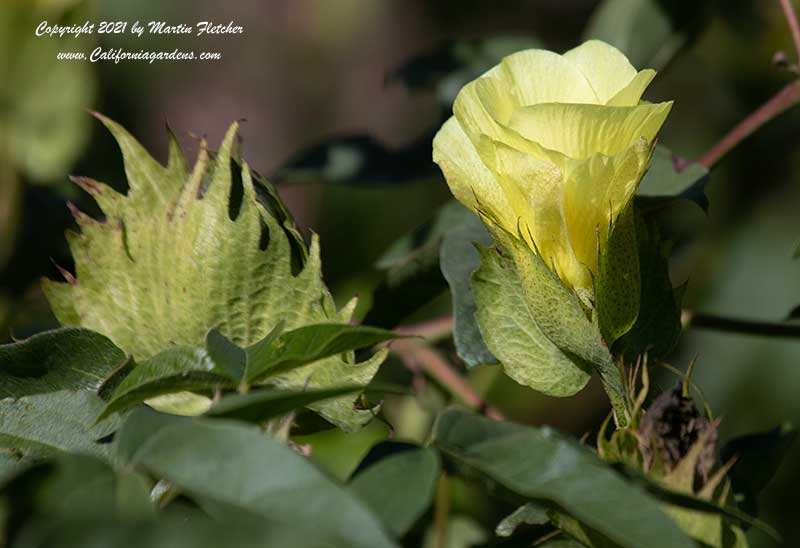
x=178, y=256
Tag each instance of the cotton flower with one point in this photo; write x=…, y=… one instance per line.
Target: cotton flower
x=550, y=148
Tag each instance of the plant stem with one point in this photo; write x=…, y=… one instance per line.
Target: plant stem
x=418, y=356
x=442, y=510
x=794, y=26
x=433, y=330
x=736, y=325
x=781, y=101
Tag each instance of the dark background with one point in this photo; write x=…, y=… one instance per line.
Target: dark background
x=306, y=71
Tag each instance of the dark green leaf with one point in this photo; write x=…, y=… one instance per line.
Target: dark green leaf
x=227, y=357
x=191, y=529
x=169, y=372
x=618, y=283
x=307, y=344
x=264, y=404
x=44, y=425
x=399, y=488
x=10, y=466
x=539, y=463
x=63, y=359
x=228, y=467
x=757, y=459
x=670, y=177
x=78, y=486
x=459, y=260
x=658, y=326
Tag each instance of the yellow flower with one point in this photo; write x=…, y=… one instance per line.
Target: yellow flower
x=551, y=148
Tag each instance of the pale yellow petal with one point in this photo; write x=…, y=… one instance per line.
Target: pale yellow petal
x=579, y=131
x=537, y=188
x=539, y=76
x=483, y=107
x=595, y=192
x=630, y=95
x=470, y=181
x=604, y=66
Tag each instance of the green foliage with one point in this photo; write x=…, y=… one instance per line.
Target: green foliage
x=177, y=256
x=559, y=314
x=459, y=260
x=231, y=469
x=618, y=284
x=658, y=325
x=262, y=405
x=541, y=464
x=171, y=371
x=511, y=331
x=400, y=487
x=310, y=343
x=529, y=513
x=44, y=425
x=65, y=359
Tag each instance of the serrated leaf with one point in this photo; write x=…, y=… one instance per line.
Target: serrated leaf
x=46, y=424
x=228, y=467
x=669, y=177
x=68, y=358
x=264, y=404
x=171, y=371
x=178, y=256
x=618, y=283
x=541, y=464
x=399, y=488
x=459, y=260
x=511, y=331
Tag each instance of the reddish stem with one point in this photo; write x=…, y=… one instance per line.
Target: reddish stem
x=781, y=101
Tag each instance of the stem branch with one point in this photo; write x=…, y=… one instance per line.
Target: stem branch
x=781, y=101
x=742, y=326
x=435, y=365
x=794, y=26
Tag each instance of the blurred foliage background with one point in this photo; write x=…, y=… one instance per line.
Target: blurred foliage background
x=342, y=121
